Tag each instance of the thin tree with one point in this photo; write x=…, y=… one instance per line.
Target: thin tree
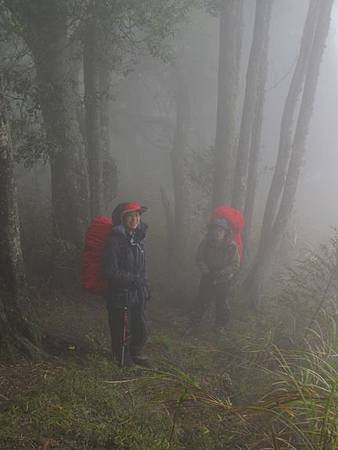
x=255, y=146
x=287, y=123
x=321, y=24
x=178, y=152
x=252, y=182
x=256, y=58
x=230, y=42
x=113, y=34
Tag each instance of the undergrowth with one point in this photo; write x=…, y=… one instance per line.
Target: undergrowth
x=269, y=383
x=76, y=408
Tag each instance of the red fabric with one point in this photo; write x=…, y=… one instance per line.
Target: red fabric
x=123, y=208
x=132, y=206
x=236, y=221
x=92, y=278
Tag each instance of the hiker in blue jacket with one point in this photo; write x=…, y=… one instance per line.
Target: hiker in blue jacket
x=218, y=260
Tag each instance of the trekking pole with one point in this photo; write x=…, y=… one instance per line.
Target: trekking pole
x=124, y=335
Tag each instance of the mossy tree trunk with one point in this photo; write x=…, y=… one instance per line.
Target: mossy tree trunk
x=44, y=25
x=15, y=330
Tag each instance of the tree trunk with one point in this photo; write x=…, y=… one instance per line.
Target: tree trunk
x=256, y=58
x=94, y=142
x=15, y=331
x=109, y=173
x=286, y=130
x=230, y=40
x=298, y=148
x=253, y=172
x=98, y=66
x=44, y=27
x=303, y=122
x=255, y=147
x=59, y=100
x=170, y=224
x=178, y=170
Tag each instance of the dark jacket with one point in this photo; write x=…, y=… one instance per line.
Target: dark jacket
x=218, y=258
x=125, y=268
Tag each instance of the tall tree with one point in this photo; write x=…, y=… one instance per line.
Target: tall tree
x=109, y=172
x=287, y=123
x=256, y=59
x=178, y=154
x=317, y=36
x=44, y=24
x=15, y=330
x=114, y=33
x=98, y=64
x=255, y=145
x=94, y=143
x=230, y=40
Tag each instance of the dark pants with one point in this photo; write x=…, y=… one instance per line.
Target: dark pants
x=136, y=330
x=208, y=293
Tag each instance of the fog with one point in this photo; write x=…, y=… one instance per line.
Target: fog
x=168, y=224
x=196, y=49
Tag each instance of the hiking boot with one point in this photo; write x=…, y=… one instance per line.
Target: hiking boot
x=141, y=361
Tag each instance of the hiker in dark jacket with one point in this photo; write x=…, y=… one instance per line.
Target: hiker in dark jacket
x=218, y=260
x=124, y=266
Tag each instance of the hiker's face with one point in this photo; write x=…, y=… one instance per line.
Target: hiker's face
x=131, y=220
x=217, y=233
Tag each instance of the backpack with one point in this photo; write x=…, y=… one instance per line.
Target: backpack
x=236, y=221
x=92, y=278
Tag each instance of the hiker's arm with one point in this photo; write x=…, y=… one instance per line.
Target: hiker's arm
x=112, y=268
x=231, y=268
x=200, y=258
x=234, y=261
x=145, y=285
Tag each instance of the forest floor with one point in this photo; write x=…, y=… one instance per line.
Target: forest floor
x=192, y=398
x=78, y=399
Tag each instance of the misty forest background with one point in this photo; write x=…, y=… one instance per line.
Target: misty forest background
x=182, y=105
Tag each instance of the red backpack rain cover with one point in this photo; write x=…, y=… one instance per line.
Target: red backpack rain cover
x=92, y=278
x=236, y=221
